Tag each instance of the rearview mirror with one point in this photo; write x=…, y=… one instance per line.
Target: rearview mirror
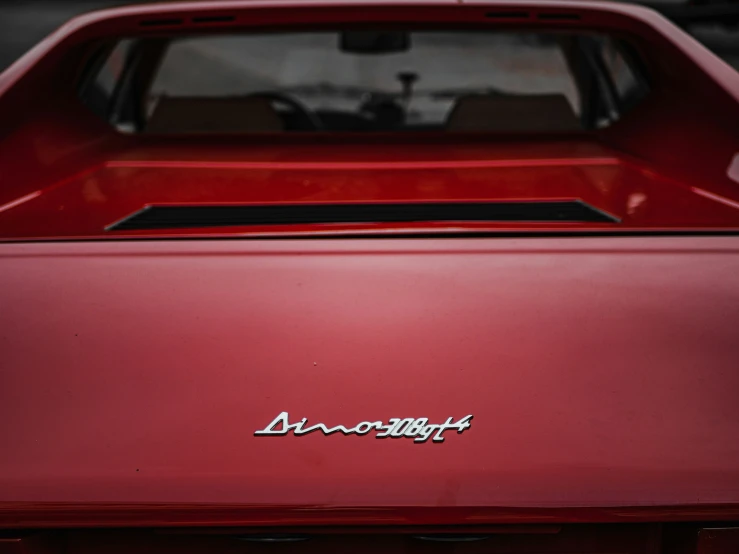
x=372, y=42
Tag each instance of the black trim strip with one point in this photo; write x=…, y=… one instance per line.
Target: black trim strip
x=183, y=217
x=214, y=19
x=507, y=15
x=558, y=17
x=161, y=22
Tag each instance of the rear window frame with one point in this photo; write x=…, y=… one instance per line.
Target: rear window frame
x=629, y=47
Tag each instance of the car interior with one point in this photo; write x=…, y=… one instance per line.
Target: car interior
x=365, y=81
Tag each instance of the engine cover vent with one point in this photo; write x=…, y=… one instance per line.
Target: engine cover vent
x=194, y=216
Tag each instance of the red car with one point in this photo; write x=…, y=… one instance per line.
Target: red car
x=430, y=277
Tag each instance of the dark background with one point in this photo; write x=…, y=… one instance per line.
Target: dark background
x=25, y=22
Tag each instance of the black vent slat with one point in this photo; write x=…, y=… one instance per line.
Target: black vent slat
x=161, y=22
x=559, y=16
x=179, y=217
x=214, y=19
x=507, y=15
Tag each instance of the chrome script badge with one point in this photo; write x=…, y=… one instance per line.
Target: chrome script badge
x=420, y=430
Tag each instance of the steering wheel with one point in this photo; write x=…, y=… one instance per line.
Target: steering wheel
x=312, y=121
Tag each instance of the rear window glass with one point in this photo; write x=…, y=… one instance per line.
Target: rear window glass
x=629, y=88
x=101, y=89
x=112, y=70
x=366, y=81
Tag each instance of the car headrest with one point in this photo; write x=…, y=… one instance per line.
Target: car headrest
x=512, y=113
x=214, y=115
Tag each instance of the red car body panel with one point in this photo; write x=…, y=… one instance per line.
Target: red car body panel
x=86, y=203
x=63, y=157
x=601, y=372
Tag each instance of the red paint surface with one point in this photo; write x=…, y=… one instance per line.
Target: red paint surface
x=665, y=165
x=601, y=372
x=88, y=202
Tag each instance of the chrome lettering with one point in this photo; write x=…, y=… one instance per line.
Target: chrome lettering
x=416, y=428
